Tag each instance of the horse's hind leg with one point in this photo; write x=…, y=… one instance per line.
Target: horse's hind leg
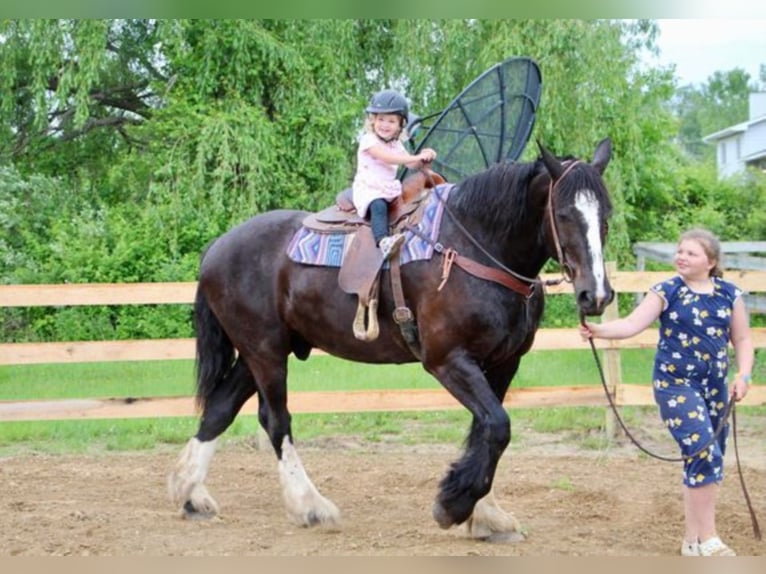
x=186, y=483
x=304, y=504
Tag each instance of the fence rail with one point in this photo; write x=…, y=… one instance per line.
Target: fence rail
x=735, y=255
x=345, y=401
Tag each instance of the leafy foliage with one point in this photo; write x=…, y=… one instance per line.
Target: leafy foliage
x=127, y=145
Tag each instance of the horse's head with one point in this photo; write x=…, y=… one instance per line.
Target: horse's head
x=577, y=214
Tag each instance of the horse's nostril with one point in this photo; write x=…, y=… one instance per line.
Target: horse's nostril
x=585, y=299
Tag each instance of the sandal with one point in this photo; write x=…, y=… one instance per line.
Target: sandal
x=715, y=547
x=690, y=548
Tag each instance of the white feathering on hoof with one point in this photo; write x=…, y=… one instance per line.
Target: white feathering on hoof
x=304, y=504
x=491, y=523
x=186, y=481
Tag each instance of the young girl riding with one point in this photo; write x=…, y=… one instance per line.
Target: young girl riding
x=379, y=155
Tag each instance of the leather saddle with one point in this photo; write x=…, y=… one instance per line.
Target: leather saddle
x=343, y=218
x=360, y=270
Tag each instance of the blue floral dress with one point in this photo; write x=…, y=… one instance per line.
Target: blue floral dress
x=690, y=369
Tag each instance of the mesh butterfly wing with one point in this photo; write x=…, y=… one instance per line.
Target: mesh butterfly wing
x=490, y=121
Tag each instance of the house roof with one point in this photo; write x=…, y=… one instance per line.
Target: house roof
x=755, y=156
x=733, y=130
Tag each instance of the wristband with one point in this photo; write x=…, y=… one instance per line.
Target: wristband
x=746, y=379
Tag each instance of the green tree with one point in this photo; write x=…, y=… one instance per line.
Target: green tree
x=75, y=88
x=720, y=102
x=137, y=141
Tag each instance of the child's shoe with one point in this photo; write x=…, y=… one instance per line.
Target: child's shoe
x=388, y=245
x=715, y=547
x=690, y=548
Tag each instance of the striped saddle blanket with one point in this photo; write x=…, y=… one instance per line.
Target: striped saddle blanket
x=328, y=249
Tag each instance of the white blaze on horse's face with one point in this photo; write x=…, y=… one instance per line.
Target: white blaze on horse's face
x=588, y=206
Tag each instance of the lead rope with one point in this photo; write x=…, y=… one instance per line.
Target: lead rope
x=753, y=518
x=730, y=410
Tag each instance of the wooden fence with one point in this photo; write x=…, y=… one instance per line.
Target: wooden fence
x=735, y=255
x=302, y=402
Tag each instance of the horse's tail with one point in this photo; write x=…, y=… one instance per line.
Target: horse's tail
x=215, y=352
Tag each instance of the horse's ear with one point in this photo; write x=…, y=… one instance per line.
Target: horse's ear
x=603, y=155
x=551, y=162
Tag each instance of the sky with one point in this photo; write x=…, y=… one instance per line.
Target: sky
x=699, y=48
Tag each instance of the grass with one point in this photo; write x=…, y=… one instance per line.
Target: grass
x=321, y=373
x=175, y=378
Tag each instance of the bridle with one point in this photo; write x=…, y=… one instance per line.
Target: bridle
x=566, y=269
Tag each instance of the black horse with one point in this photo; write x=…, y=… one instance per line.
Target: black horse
x=254, y=306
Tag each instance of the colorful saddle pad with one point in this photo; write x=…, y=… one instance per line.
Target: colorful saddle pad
x=328, y=249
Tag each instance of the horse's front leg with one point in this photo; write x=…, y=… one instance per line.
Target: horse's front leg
x=470, y=478
x=491, y=523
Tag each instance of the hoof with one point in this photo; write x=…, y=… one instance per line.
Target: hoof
x=326, y=516
x=503, y=537
x=442, y=518
x=188, y=512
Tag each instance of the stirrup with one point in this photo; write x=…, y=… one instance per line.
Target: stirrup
x=372, y=331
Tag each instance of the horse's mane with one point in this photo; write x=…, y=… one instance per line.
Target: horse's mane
x=498, y=196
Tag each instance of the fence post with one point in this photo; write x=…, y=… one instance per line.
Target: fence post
x=612, y=368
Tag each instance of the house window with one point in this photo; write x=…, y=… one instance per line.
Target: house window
x=739, y=153
x=722, y=147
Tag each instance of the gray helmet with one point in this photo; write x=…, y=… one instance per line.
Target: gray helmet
x=388, y=102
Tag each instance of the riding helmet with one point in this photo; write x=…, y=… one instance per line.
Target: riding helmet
x=388, y=102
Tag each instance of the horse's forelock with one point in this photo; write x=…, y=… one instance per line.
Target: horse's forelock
x=579, y=178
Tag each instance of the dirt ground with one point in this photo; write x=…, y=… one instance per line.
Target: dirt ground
x=570, y=501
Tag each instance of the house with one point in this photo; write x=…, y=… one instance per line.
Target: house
x=742, y=145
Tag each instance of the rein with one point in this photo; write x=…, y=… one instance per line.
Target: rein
x=500, y=273
x=730, y=411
